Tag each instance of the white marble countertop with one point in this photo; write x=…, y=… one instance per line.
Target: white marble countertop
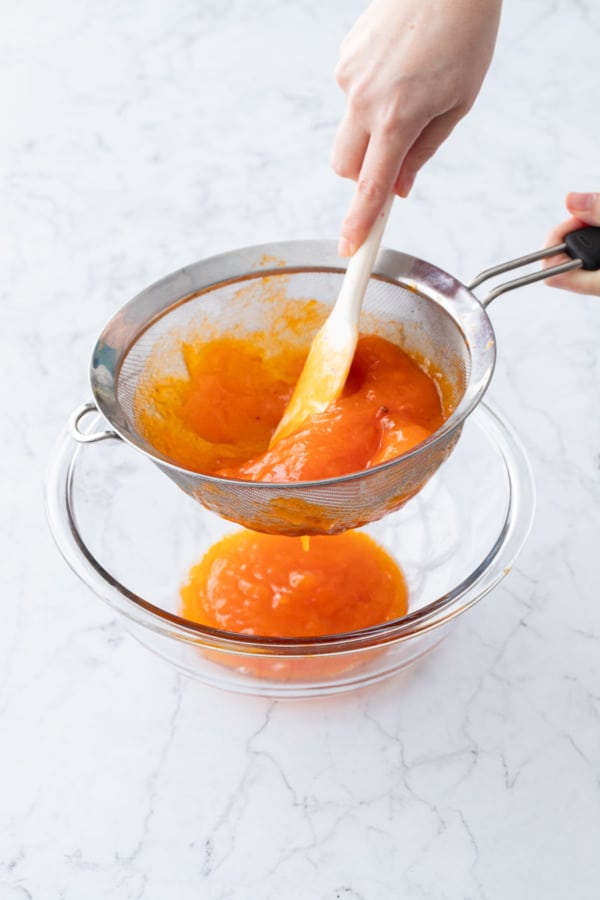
x=136, y=138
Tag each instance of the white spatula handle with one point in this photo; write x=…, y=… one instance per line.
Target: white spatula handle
x=360, y=267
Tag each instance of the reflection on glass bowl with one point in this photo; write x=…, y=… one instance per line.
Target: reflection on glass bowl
x=132, y=538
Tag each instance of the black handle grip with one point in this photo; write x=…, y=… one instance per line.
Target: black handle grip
x=584, y=244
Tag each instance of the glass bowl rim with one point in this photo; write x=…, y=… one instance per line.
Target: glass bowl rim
x=495, y=565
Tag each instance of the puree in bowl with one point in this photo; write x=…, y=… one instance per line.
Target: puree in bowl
x=276, y=586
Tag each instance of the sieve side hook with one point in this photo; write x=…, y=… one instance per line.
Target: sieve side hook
x=582, y=245
x=87, y=437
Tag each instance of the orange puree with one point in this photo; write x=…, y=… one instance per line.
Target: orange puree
x=269, y=585
x=218, y=417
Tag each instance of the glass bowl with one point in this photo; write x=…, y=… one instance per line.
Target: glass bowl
x=132, y=538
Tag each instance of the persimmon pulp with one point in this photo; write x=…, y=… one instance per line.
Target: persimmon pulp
x=269, y=585
x=219, y=417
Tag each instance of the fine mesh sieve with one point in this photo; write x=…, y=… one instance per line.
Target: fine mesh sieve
x=409, y=301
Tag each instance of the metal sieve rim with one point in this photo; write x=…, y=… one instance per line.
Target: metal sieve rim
x=408, y=272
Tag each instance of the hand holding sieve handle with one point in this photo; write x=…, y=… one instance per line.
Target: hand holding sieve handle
x=582, y=245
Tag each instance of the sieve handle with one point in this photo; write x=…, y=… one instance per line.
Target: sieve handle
x=87, y=437
x=582, y=245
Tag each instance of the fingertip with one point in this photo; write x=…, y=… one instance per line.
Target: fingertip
x=551, y=282
x=577, y=202
x=585, y=207
x=353, y=233
x=345, y=247
x=405, y=184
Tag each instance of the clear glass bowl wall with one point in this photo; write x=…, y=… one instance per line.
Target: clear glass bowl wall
x=132, y=537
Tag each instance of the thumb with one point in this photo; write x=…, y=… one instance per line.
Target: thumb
x=585, y=207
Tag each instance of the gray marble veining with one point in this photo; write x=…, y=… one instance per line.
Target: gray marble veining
x=138, y=137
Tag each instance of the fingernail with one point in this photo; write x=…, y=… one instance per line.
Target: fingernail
x=581, y=201
x=345, y=248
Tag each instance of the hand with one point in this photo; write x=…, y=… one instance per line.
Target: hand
x=410, y=69
x=585, y=209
